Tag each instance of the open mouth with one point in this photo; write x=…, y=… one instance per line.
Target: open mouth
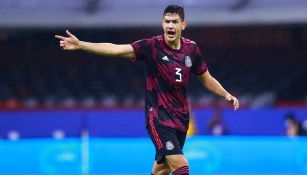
x=171, y=33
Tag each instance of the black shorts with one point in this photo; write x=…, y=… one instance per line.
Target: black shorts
x=167, y=141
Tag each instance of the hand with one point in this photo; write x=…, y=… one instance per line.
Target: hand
x=69, y=43
x=231, y=99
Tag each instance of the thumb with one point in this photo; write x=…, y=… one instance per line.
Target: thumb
x=69, y=34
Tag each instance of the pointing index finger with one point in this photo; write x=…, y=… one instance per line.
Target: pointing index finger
x=60, y=37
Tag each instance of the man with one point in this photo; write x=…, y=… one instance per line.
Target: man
x=294, y=127
x=170, y=59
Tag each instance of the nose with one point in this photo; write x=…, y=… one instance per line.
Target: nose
x=170, y=25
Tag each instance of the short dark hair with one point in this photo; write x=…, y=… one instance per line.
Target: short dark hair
x=173, y=8
x=290, y=116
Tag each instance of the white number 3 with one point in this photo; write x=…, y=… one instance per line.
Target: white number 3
x=178, y=74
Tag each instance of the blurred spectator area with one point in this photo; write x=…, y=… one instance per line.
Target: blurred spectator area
x=262, y=65
x=106, y=13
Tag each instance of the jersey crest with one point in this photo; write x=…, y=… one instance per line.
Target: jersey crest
x=169, y=145
x=188, y=61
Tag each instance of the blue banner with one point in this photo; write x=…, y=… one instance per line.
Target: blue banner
x=114, y=156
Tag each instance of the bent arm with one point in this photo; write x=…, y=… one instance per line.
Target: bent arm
x=214, y=86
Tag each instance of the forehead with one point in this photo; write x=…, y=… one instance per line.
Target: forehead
x=171, y=16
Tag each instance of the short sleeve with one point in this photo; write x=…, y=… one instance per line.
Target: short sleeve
x=199, y=67
x=142, y=49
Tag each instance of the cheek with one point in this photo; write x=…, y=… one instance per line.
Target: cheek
x=179, y=28
x=179, y=31
x=164, y=28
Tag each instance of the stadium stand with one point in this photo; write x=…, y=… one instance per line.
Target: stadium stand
x=259, y=63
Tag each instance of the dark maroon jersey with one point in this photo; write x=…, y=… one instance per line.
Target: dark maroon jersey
x=168, y=73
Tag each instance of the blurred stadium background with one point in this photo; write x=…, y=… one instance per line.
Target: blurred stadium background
x=76, y=113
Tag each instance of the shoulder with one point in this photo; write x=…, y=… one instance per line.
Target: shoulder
x=158, y=38
x=190, y=45
x=188, y=41
x=158, y=41
x=146, y=42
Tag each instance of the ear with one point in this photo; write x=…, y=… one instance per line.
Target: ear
x=184, y=25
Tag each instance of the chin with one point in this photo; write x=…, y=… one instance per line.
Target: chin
x=170, y=39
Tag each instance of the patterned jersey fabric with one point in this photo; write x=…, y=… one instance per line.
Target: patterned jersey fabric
x=168, y=73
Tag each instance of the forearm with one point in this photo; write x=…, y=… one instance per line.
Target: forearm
x=214, y=86
x=105, y=49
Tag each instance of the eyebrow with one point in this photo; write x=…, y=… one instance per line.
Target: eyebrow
x=169, y=20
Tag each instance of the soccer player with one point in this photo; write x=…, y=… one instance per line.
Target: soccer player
x=170, y=60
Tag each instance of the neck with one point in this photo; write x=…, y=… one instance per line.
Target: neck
x=173, y=44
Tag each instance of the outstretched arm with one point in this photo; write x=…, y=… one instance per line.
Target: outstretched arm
x=214, y=86
x=71, y=42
